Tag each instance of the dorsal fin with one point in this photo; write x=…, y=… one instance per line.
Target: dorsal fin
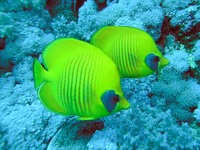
x=104, y=37
x=61, y=48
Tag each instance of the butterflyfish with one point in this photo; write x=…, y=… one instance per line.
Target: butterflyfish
x=133, y=50
x=78, y=79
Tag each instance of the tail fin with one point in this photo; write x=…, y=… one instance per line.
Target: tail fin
x=38, y=73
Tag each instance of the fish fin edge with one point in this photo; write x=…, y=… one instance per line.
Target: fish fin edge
x=47, y=98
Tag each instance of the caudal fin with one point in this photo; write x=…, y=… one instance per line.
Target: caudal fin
x=38, y=73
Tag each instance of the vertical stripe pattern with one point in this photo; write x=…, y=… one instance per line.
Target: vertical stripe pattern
x=76, y=83
x=126, y=53
x=79, y=76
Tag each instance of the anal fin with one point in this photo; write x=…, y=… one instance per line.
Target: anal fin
x=86, y=118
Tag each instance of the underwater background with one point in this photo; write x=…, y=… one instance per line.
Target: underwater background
x=165, y=106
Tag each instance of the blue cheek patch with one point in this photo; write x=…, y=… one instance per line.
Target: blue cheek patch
x=109, y=100
x=152, y=61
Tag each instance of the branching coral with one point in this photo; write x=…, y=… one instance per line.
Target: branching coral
x=197, y=51
x=26, y=123
x=143, y=127
x=197, y=114
x=24, y=36
x=158, y=102
x=6, y=25
x=181, y=96
x=17, y=5
x=90, y=19
x=179, y=60
x=187, y=14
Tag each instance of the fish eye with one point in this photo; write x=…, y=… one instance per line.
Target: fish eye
x=152, y=61
x=116, y=98
x=156, y=59
x=110, y=99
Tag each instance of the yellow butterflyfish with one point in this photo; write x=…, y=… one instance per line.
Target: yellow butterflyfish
x=133, y=50
x=78, y=79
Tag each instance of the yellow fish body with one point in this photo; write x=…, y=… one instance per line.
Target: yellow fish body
x=133, y=50
x=78, y=79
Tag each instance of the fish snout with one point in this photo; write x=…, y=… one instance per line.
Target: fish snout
x=164, y=62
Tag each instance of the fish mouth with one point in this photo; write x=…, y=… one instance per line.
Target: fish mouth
x=124, y=104
x=164, y=62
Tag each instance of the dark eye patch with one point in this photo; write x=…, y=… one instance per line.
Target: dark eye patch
x=151, y=61
x=110, y=100
x=156, y=59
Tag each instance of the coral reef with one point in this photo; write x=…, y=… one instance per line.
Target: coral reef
x=24, y=36
x=144, y=127
x=197, y=114
x=18, y=5
x=182, y=13
x=180, y=96
x=26, y=124
x=165, y=111
x=174, y=90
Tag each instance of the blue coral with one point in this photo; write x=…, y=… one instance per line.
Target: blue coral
x=165, y=108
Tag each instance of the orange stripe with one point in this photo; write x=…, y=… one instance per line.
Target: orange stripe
x=77, y=85
x=86, y=84
x=59, y=87
x=137, y=53
x=65, y=86
x=125, y=52
x=117, y=46
x=131, y=58
x=121, y=48
x=81, y=84
x=69, y=93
